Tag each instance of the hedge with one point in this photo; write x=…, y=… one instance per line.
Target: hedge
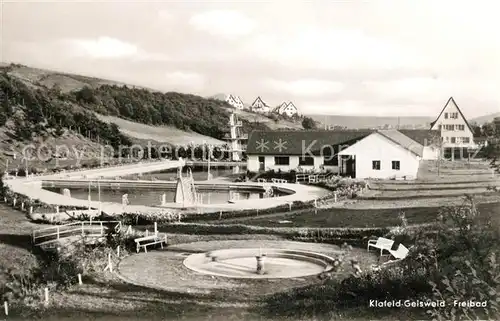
x=353, y=236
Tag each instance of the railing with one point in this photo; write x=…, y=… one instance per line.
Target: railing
x=312, y=178
x=84, y=228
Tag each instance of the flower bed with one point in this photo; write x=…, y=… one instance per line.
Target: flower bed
x=343, y=187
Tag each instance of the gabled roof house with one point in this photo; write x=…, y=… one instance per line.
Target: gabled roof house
x=260, y=106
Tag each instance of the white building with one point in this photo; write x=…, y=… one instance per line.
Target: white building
x=385, y=154
x=294, y=150
x=355, y=153
x=285, y=108
x=260, y=106
x=456, y=133
x=234, y=101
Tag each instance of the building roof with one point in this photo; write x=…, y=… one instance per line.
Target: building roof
x=424, y=137
x=460, y=112
x=300, y=142
x=259, y=99
x=278, y=108
x=402, y=140
x=290, y=104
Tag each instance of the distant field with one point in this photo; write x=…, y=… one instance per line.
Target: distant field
x=371, y=121
x=161, y=134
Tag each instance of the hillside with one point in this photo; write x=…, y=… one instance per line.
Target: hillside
x=264, y=121
x=169, y=115
x=372, y=121
x=275, y=122
x=42, y=103
x=485, y=119
x=51, y=79
x=160, y=134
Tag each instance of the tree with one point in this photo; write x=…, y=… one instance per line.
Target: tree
x=496, y=123
x=489, y=130
x=476, y=130
x=308, y=123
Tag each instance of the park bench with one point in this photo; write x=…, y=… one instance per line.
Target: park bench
x=145, y=241
x=380, y=243
x=399, y=254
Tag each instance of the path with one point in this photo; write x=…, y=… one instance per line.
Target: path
x=32, y=186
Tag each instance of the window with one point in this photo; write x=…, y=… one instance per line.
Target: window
x=445, y=115
x=396, y=165
x=331, y=160
x=459, y=127
x=440, y=127
x=281, y=160
x=376, y=165
x=466, y=140
x=453, y=140
x=306, y=161
x=454, y=115
x=449, y=127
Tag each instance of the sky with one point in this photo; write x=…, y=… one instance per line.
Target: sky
x=381, y=58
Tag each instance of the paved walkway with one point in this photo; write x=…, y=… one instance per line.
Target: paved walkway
x=32, y=187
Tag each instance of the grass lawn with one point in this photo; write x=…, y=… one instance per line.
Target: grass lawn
x=341, y=217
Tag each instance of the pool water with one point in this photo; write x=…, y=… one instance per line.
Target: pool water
x=153, y=197
x=198, y=175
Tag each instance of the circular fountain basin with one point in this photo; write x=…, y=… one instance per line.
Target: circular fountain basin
x=242, y=263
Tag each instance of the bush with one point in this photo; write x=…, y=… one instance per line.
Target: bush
x=355, y=236
x=59, y=270
x=457, y=260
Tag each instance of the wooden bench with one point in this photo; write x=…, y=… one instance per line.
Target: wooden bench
x=150, y=240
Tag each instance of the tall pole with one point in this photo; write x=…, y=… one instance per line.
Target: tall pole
x=99, y=193
x=89, y=197
x=209, y=157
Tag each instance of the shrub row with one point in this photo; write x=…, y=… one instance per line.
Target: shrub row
x=354, y=236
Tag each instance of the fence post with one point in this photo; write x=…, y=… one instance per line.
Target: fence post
x=22, y=206
x=46, y=295
x=290, y=207
x=6, y=307
x=220, y=215
x=109, y=262
x=102, y=229
x=118, y=250
x=14, y=202
x=335, y=197
x=156, y=228
x=31, y=209
x=80, y=279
